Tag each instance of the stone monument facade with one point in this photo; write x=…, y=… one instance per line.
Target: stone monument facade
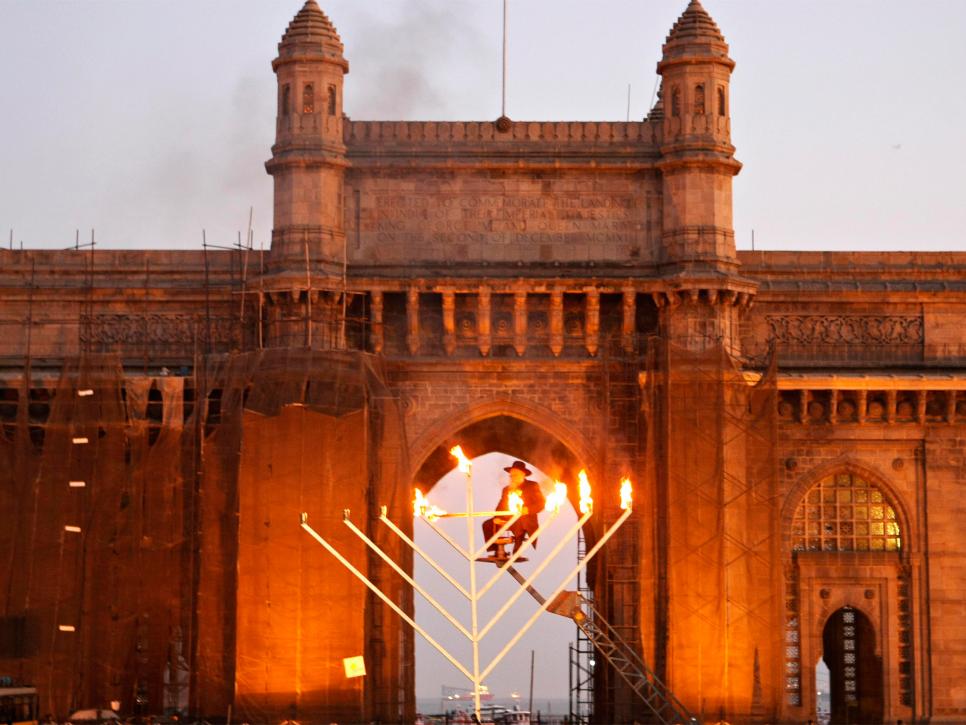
x=565, y=292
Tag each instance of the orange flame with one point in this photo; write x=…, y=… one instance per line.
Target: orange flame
x=464, y=462
x=625, y=494
x=420, y=504
x=515, y=501
x=557, y=497
x=422, y=507
x=583, y=487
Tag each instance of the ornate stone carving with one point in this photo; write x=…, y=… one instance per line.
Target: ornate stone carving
x=172, y=331
x=844, y=329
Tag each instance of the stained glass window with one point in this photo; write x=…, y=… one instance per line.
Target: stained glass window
x=845, y=513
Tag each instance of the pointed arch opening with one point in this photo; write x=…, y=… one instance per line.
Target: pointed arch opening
x=493, y=443
x=846, y=512
x=855, y=670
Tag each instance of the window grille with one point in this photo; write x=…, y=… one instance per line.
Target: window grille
x=845, y=513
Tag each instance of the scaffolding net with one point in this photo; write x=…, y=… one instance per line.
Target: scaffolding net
x=152, y=544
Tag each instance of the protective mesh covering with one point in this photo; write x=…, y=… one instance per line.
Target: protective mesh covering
x=716, y=530
x=85, y=461
x=189, y=566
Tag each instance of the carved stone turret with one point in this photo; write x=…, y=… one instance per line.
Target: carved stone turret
x=308, y=158
x=698, y=161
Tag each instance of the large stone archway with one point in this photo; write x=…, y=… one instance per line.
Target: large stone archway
x=525, y=431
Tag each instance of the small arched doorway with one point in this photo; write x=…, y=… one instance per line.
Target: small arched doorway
x=855, y=671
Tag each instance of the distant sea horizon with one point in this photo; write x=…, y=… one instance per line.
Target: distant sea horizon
x=545, y=705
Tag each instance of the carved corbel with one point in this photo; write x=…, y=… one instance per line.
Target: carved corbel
x=520, y=322
x=484, y=336
x=628, y=319
x=449, y=322
x=378, y=331
x=412, y=320
x=592, y=323
x=891, y=406
x=556, y=322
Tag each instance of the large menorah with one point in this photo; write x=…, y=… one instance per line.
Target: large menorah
x=559, y=602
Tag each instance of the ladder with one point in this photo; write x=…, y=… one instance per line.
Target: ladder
x=665, y=708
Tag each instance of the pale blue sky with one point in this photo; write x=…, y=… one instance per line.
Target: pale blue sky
x=150, y=119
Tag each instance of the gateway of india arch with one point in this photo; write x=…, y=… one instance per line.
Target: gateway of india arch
x=567, y=293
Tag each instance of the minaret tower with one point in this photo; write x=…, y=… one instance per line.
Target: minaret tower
x=308, y=158
x=697, y=156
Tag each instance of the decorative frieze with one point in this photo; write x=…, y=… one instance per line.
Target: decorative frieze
x=177, y=332
x=845, y=329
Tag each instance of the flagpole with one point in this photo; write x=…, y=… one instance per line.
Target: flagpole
x=503, y=105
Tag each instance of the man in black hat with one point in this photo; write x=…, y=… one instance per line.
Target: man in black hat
x=533, y=503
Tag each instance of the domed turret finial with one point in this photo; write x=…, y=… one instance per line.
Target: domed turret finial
x=695, y=33
x=695, y=23
x=311, y=33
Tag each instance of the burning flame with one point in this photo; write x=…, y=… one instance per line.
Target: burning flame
x=583, y=487
x=625, y=494
x=556, y=499
x=464, y=462
x=515, y=502
x=420, y=504
x=422, y=507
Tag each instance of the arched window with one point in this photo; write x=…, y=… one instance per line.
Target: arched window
x=845, y=513
x=308, y=99
x=675, y=102
x=331, y=101
x=286, y=99
x=699, y=99
x=721, y=102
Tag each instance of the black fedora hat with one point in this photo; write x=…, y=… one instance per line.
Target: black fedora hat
x=520, y=466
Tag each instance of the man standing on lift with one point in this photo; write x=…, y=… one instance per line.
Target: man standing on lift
x=533, y=503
